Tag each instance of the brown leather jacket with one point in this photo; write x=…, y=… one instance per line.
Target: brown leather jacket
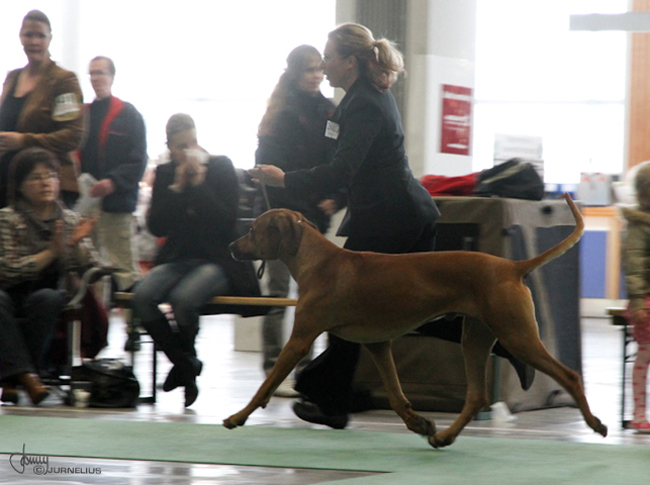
x=52, y=117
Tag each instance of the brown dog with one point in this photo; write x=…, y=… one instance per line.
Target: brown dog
x=372, y=298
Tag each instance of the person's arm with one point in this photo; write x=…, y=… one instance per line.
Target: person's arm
x=359, y=127
x=16, y=266
x=166, y=207
x=216, y=200
x=76, y=246
x=126, y=172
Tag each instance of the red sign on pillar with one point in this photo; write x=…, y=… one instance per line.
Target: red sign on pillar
x=456, y=120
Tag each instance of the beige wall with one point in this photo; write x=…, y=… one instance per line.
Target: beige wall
x=638, y=143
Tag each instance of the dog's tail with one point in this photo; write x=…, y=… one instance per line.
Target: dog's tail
x=529, y=265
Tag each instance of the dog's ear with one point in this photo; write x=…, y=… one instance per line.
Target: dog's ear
x=291, y=230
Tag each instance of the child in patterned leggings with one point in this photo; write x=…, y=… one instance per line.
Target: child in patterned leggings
x=637, y=270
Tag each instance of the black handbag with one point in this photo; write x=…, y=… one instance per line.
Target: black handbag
x=514, y=179
x=112, y=383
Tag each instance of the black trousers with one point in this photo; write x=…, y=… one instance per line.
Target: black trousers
x=327, y=380
x=24, y=343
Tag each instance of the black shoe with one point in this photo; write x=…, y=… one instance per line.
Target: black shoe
x=191, y=393
x=133, y=343
x=525, y=373
x=175, y=378
x=308, y=411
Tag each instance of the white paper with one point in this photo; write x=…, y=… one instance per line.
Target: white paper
x=87, y=205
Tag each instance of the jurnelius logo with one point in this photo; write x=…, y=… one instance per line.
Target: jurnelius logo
x=40, y=465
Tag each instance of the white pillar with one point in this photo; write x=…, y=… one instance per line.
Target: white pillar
x=440, y=50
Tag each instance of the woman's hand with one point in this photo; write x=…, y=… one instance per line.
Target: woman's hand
x=11, y=141
x=102, y=188
x=83, y=229
x=328, y=207
x=268, y=175
x=191, y=170
x=57, y=245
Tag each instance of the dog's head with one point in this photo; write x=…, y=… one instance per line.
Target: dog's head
x=274, y=234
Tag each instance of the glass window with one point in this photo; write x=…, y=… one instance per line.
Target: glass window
x=215, y=60
x=536, y=77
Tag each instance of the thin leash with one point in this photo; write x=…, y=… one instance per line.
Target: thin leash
x=266, y=195
x=260, y=271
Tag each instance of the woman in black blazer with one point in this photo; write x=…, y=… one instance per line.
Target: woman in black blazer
x=388, y=210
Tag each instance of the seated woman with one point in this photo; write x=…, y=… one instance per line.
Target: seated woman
x=194, y=206
x=41, y=244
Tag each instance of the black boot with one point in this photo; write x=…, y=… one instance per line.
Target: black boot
x=186, y=365
x=175, y=378
x=187, y=338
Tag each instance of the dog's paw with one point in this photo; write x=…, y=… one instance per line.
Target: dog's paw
x=601, y=429
x=232, y=422
x=426, y=427
x=228, y=423
x=437, y=442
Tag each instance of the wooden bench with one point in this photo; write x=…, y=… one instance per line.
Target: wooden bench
x=619, y=320
x=216, y=305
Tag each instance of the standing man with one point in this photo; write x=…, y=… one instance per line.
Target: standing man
x=115, y=154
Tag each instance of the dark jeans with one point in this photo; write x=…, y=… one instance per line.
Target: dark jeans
x=327, y=380
x=25, y=342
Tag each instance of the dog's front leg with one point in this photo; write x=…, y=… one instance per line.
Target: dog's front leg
x=383, y=358
x=292, y=353
x=477, y=341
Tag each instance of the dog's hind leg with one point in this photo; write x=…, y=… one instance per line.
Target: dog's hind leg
x=295, y=349
x=477, y=342
x=383, y=358
x=533, y=353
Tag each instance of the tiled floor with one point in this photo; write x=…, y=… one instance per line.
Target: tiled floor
x=230, y=378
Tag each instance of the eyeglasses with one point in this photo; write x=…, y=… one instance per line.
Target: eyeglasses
x=99, y=73
x=42, y=177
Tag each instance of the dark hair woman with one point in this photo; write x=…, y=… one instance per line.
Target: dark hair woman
x=194, y=207
x=41, y=245
x=291, y=138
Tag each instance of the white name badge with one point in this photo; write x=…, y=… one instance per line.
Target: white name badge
x=332, y=130
x=66, y=107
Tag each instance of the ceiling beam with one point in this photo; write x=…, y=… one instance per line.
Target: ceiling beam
x=627, y=22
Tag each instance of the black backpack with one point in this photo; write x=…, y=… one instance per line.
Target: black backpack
x=513, y=178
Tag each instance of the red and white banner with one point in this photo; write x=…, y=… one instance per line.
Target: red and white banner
x=456, y=120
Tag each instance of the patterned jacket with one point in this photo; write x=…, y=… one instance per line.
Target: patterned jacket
x=18, y=248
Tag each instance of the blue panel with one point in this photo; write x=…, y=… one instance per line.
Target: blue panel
x=593, y=264
x=622, y=289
